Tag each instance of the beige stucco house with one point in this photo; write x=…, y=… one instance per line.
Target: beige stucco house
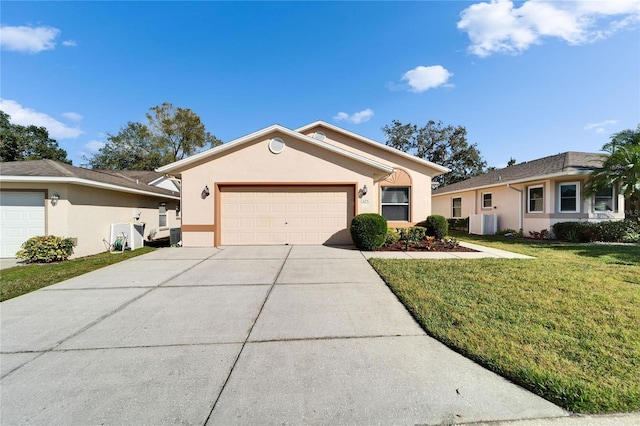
x=46, y=197
x=303, y=186
x=533, y=195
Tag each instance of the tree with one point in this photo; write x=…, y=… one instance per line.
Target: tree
x=511, y=162
x=170, y=134
x=19, y=143
x=621, y=169
x=444, y=145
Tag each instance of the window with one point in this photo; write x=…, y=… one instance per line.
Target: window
x=487, y=201
x=604, y=200
x=536, y=199
x=456, y=207
x=162, y=215
x=395, y=203
x=569, y=197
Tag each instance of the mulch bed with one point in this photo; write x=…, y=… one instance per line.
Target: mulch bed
x=436, y=246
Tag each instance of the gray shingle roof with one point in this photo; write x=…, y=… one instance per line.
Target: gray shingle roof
x=130, y=179
x=566, y=162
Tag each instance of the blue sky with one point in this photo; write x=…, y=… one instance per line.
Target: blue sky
x=527, y=79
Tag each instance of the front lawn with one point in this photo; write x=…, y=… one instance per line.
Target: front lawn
x=20, y=280
x=565, y=325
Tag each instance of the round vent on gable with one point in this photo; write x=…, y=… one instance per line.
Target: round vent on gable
x=276, y=145
x=319, y=135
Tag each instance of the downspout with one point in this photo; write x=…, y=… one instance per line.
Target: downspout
x=520, y=215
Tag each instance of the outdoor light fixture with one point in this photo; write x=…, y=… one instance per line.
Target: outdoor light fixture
x=54, y=199
x=362, y=192
x=205, y=192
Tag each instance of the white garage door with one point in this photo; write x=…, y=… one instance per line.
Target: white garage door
x=21, y=217
x=286, y=215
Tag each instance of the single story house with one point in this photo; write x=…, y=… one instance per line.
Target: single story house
x=46, y=197
x=303, y=186
x=533, y=195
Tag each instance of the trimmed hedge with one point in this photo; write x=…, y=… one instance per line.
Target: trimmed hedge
x=46, y=249
x=437, y=226
x=369, y=231
x=626, y=231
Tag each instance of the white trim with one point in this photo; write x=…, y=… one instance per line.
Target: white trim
x=263, y=132
x=577, y=197
x=377, y=144
x=407, y=204
x=482, y=194
x=453, y=208
x=529, y=188
x=84, y=182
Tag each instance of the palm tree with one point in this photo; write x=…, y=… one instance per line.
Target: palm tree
x=621, y=169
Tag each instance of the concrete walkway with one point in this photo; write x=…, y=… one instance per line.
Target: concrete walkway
x=242, y=335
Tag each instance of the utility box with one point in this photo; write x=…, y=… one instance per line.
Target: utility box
x=483, y=224
x=175, y=236
x=132, y=232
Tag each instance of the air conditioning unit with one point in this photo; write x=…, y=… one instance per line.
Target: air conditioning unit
x=175, y=236
x=483, y=224
x=132, y=233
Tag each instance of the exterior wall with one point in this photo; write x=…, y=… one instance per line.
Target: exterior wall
x=420, y=175
x=254, y=164
x=511, y=205
x=86, y=213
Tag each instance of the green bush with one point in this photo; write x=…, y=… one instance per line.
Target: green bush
x=609, y=231
x=393, y=236
x=575, y=232
x=458, y=224
x=416, y=233
x=369, y=231
x=46, y=249
x=437, y=226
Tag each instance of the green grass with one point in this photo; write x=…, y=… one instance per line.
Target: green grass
x=20, y=280
x=565, y=325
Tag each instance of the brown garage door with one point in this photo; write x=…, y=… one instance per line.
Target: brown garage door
x=286, y=215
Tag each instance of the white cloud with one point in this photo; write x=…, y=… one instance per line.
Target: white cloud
x=600, y=127
x=357, y=118
x=424, y=78
x=73, y=116
x=28, y=39
x=93, y=145
x=69, y=43
x=27, y=116
x=500, y=27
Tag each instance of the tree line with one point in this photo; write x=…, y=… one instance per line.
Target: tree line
x=173, y=133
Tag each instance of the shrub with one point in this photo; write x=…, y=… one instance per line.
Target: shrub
x=369, y=231
x=458, y=224
x=416, y=233
x=451, y=241
x=437, y=226
x=575, y=232
x=542, y=235
x=46, y=249
x=393, y=236
x=615, y=231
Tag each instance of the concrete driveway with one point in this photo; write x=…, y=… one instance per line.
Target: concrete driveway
x=242, y=335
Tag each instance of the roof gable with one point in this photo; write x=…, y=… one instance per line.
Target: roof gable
x=567, y=163
x=185, y=163
x=376, y=144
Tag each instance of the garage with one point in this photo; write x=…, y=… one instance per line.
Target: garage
x=251, y=215
x=22, y=216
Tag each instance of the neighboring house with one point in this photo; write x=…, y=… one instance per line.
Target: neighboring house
x=282, y=186
x=46, y=197
x=534, y=195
